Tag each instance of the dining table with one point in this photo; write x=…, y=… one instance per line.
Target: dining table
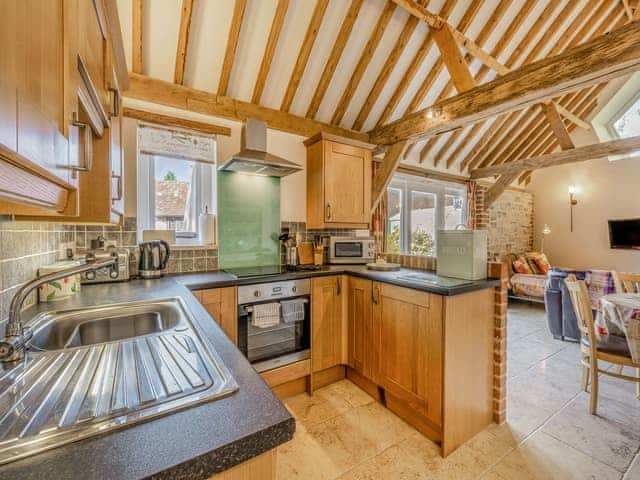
x=619, y=314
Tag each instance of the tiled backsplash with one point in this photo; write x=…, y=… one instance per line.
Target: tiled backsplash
x=27, y=246
x=293, y=228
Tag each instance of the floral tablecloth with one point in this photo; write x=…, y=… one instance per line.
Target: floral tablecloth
x=619, y=314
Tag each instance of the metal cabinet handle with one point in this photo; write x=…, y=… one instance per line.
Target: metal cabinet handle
x=328, y=211
x=375, y=294
x=119, y=188
x=88, y=146
x=116, y=103
x=339, y=291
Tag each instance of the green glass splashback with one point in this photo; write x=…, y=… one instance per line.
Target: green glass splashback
x=248, y=220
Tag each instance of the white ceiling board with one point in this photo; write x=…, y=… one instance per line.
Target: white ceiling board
x=387, y=42
x=415, y=84
x=256, y=25
x=327, y=33
x=410, y=50
x=291, y=38
x=160, y=26
x=210, y=24
x=362, y=29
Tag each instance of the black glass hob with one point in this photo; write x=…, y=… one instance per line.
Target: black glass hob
x=244, y=272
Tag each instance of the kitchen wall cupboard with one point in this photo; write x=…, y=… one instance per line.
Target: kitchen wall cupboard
x=57, y=110
x=338, y=182
x=221, y=303
x=327, y=295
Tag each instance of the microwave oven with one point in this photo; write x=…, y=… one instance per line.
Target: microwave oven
x=351, y=250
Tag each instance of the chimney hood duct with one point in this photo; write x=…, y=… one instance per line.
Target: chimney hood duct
x=253, y=158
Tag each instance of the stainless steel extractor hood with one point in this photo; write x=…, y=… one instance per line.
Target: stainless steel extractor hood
x=253, y=158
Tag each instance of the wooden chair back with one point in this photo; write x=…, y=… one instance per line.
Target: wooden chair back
x=581, y=301
x=626, y=282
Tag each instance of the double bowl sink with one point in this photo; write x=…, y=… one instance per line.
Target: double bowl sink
x=92, y=370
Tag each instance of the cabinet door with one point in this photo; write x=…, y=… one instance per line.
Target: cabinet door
x=408, y=327
x=360, y=336
x=40, y=87
x=117, y=152
x=9, y=77
x=326, y=322
x=221, y=304
x=347, y=183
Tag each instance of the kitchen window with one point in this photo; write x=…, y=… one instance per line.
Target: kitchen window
x=176, y=180
x=417, y=208
x=626, y=123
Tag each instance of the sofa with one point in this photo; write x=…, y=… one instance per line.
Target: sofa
x=525, y=286
x=561, y=317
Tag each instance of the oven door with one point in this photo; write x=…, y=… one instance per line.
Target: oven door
x=272, y=346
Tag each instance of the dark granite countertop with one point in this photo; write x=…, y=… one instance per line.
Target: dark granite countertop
x=197, y=281
x=194, y=443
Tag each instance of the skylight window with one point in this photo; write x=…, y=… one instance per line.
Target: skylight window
x=627, y=122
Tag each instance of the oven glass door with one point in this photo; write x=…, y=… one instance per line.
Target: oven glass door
x=348, y=250
x=262, y=343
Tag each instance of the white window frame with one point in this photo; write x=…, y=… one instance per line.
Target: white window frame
x=205, y=191
x=410, y=183
x=619, y=113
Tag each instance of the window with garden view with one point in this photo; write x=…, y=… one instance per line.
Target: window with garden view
x=417, y=208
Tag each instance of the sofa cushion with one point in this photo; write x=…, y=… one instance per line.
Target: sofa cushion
x=613, y=344
x=520, y=265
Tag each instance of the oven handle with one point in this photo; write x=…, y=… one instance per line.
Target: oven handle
x=249, y=308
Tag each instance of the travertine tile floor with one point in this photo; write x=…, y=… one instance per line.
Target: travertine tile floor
x=342, y=433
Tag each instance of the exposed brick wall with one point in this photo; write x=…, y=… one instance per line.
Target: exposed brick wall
x=509, y=222
x=499, y=270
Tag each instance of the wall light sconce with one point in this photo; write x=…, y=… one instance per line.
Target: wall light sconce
x=545, y=231
x=572, y=201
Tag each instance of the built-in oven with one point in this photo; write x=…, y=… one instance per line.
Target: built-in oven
x=351, y=249
x=274, y=323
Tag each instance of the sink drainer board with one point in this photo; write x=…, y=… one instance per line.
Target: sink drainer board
x=60, y=396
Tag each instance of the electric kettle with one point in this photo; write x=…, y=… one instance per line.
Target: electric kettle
x=154, y=256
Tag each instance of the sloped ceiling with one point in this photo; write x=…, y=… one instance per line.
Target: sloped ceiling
x=514, y=31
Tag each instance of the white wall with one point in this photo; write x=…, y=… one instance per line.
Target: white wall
x=607, y=190
x=292, y=187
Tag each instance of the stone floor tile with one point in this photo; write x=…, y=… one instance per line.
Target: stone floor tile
x=346, y=390
x=543, y=457
x=311, y=409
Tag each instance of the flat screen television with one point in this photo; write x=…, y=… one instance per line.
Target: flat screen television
x=625, y=234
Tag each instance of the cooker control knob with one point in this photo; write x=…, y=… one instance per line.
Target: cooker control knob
x=113, y=274
x=257, y=293
x=91, y=275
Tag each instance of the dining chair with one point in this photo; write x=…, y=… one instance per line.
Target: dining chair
x=614, y=349
x=626, y=282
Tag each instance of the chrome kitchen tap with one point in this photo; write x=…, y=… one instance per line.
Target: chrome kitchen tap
x=12, y=346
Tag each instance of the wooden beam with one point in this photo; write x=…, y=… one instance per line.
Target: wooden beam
x=421, y=13
x=453, y=59
x=173, y=121
x=579, y=154
x=303, y=55
x=492, y=194
x=136, y=34
x=270, y=49
x=385, y=73
x=573, y=118
x=334, y=57
x=477, y=51
x=183, y=41
x=611, y=56
x=232, y=45
x=166, y=93
x=636, y=15
x=557, y=126
x=627, y=9
x=363, y=63
x=385, y=171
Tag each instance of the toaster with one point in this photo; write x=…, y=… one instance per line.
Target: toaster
x=105, y=275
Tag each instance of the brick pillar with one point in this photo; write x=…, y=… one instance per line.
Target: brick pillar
x=481, y=220
x=499, y=270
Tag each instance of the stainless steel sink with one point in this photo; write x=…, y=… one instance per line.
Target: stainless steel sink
x=89, y=371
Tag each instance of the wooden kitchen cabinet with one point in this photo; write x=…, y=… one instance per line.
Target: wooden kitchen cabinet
x=221, y=303
x=361, y=354
x=327, y=295
x=408, y=332
x=339, y=174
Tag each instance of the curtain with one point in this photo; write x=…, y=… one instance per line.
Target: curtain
x=379, y=220
x=472, y=190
